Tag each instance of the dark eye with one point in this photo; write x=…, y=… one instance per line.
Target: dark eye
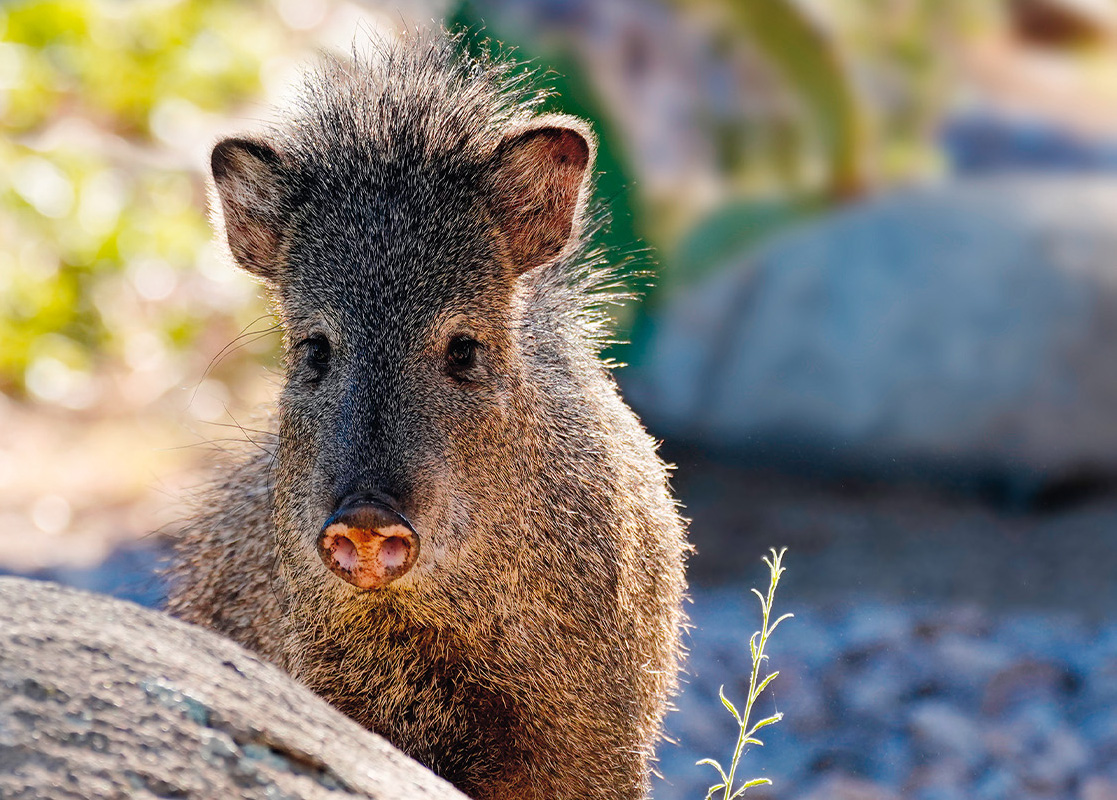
x=317, y=352
x=461, y=352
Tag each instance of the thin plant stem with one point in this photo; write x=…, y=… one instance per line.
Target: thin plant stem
x=747, y=731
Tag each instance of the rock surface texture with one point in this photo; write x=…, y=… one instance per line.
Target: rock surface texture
x=101, y=698
x=966, y=326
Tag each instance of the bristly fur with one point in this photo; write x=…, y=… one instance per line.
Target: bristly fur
x=430, y=104
x=415, y=196
x=412, y=104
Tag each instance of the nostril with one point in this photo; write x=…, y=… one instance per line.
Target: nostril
x=394, y=552
x=344, y=553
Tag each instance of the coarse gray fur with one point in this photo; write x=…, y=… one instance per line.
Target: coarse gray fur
x=415, y=195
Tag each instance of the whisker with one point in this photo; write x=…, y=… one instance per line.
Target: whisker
x=243, y=339
x=248, y=431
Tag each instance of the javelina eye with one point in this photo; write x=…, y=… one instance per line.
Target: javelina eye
x=461, y=353
x=317, y=352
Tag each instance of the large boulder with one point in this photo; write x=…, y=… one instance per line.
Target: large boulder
x=100, y=698
x=969, y=327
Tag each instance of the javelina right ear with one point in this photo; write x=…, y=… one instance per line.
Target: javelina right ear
x=249, y=179
x=539, y=189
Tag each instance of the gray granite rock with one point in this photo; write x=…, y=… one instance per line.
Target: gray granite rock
x=102, y=698
x=961, y=328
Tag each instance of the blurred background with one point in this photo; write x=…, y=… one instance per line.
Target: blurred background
x=881, y=331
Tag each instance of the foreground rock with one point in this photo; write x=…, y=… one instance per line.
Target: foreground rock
x=101, y=698
x=966, y=328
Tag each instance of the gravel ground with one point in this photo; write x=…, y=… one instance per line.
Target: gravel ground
x=883, y=700
x=946, y=645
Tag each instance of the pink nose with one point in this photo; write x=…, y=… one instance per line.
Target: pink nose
x=368, y=544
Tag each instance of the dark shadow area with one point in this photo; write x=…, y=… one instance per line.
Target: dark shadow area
x=891, y=540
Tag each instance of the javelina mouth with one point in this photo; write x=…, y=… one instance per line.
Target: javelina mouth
x=368, y=544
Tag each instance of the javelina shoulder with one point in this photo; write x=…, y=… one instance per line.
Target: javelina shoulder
x=458, y=532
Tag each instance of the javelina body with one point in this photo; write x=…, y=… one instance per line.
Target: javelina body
x=460, y=535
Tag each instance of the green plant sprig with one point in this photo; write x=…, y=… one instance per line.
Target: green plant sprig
x=747, y=730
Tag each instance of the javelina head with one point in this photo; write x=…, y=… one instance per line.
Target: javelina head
x=396, y=219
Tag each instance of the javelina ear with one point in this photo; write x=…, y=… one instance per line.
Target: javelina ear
x=249, y=179
x=540, y=188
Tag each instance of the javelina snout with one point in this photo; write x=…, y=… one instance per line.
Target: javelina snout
x=368, y=543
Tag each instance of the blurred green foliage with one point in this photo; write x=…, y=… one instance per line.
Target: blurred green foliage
x=907, y=54
x=100, y=218
x=114, y=62
x=810, y=60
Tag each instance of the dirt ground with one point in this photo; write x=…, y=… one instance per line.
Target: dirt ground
x=74, y=486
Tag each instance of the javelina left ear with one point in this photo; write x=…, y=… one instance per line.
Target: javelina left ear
x=249, y=178
x=540, y=187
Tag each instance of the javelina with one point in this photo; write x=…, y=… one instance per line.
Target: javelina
x=461, y=537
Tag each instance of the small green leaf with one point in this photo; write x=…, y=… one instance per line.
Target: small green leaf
x=763, y=600
x=711, y=762
x=726, y=702
x=764, y=684
x=750, y=784
x=764, y=723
